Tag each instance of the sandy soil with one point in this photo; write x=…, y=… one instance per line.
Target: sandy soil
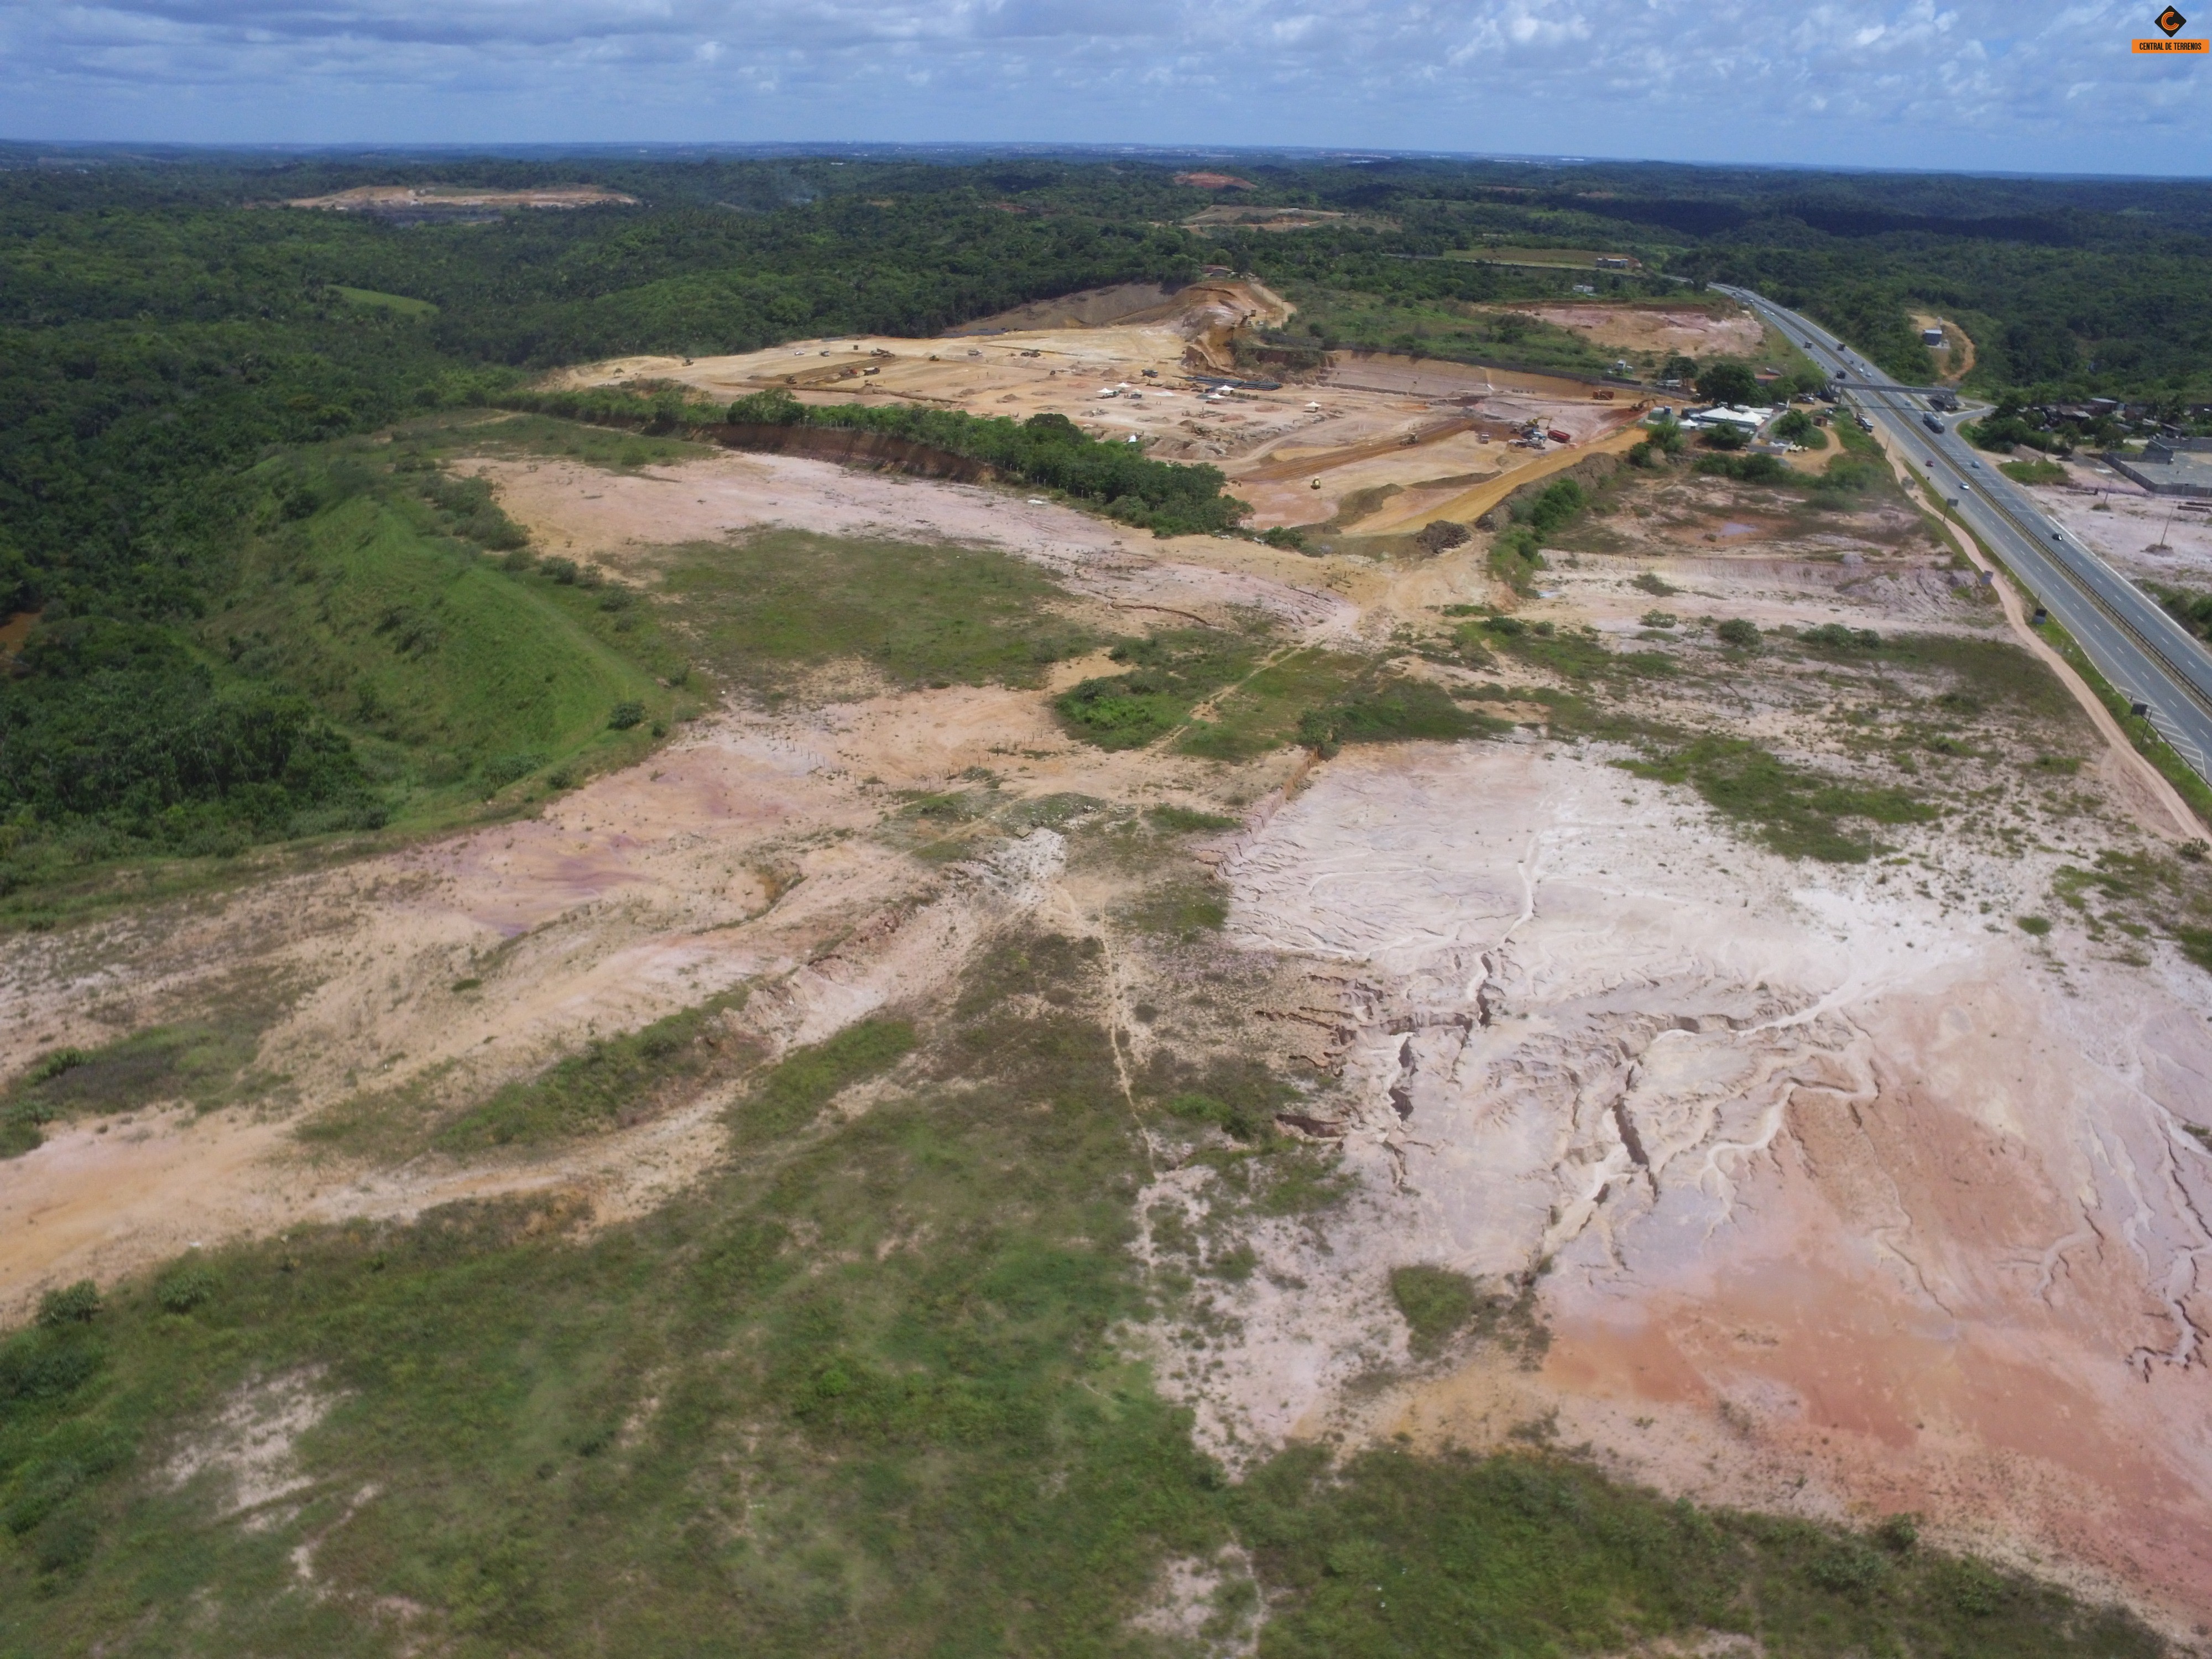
x=386, y=198
x=1369, y=418
x=1661, y=329
x=1843, y=1153
x=627, y=521
x=1850, y=1197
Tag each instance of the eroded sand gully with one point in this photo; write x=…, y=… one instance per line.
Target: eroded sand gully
x=1850, y=1205
x=1853, y=1198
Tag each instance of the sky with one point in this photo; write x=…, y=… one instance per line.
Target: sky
x=2006, y=85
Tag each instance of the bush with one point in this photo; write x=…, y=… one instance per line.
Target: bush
x=773, y=407
x=1435, y=1301
x=1282, y=536
x=561, y=570
x=77, y=1304
x=1656, y=585
x=1442, y=536
x=185, y=1289
x=502, y=769
x=1727, y=438
x=51, y=1066
x=1738, y=633
x=1795, y=427
x=626, y=714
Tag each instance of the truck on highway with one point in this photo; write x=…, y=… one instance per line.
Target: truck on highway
x=1932, y=423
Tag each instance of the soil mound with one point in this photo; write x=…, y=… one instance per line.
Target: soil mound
x=1197, y=309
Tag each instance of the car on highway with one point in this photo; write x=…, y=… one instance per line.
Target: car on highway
x=1932, y=423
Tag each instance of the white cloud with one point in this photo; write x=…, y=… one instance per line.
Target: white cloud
x=1974, y=82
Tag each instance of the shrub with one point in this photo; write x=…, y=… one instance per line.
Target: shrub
x=77, y=1304
x=1656, y=585
x=1838, y=637
x=1795, y=427
x=1435, y=1301
x=502, y=769
x=51, y=1066
x=1282, y=536
x=561, y=570
x=185, y=1289
x=1442, y=536
x=1660, y=619
x=2033, y=926
x=1722, y=438
x=773, y=407
x=1738, y=633
x=625, y=714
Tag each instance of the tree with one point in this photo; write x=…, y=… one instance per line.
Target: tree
x=1728, y=383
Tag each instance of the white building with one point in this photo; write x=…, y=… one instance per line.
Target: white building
x=1747, y=421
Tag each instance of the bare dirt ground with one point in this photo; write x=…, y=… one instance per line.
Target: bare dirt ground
x=1661, y=329
x=628, y=521
x=1120, y=362
x=1837, y=1192
x=1954, y=359
x=387, y=198
x=2125, y=524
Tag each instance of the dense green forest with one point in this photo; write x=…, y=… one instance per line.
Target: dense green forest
x=168, y=334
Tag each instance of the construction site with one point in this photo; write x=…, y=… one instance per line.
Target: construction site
x=1368, y=443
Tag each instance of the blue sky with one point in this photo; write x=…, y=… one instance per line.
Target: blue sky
x=2003, y=84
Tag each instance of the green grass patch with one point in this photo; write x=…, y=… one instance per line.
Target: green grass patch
x=1169, y=672
x=1392, y=1554
x=770, y=608
x=1185, y=821
x=1268, y=708
x=1437, y=1302
x=1180, y=909
x=1579, y=658
x=2033, y=472
x=1395, y=711
x=796, y=1090
x=1797, y=813
x=204, y=1064
x=455, y=676
x=614, y=1082
x=473, y=433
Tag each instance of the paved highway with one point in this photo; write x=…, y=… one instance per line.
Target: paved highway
x=2147, y=655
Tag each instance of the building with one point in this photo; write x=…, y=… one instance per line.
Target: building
x=2168, y=466
x=1747, y=421
x=1932, y=336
